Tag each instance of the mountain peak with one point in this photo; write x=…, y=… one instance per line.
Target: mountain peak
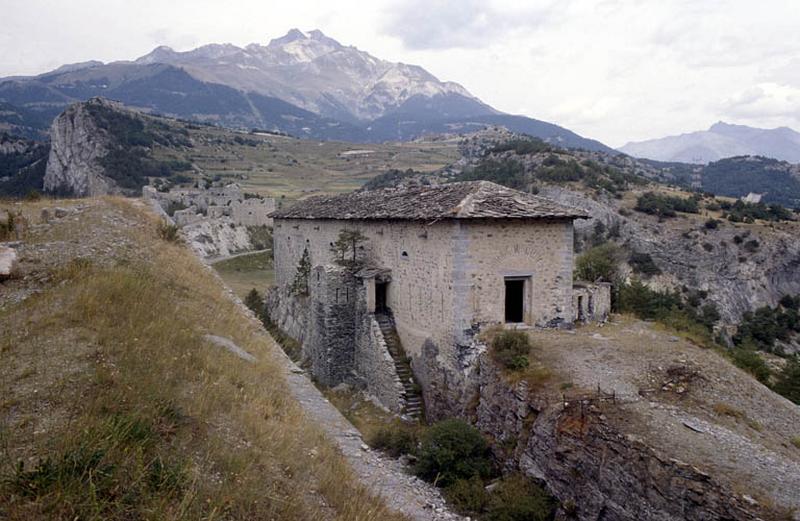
x=292, y=36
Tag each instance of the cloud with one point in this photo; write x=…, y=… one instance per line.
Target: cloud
x=765, y=102
x=446, y=24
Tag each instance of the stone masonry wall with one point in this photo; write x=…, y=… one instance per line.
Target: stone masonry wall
x=447, y=279
x=591, y=302
x=330, y=347
x=375, y=366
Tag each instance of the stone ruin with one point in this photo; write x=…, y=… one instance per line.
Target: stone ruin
x=216, y=221
x=213, y=203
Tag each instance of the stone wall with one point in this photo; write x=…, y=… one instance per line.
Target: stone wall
x=375, y=366
x=591, y=302
x=253, y=211
x=447, y=280
x=330, y=348
x=340, y=338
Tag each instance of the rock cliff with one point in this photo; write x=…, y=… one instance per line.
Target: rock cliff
x=77, y=145
x=741, y=267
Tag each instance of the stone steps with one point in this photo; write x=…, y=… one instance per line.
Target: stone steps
x=412, y=399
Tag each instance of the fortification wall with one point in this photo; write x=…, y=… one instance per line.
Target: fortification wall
x=253, y=212
x=447, y=279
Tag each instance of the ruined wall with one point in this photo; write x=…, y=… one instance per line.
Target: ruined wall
x=253, y=211
x=591, y=302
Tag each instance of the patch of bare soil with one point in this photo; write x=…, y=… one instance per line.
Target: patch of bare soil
x=688, y=403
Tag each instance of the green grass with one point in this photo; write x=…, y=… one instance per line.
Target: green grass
x=246, y=272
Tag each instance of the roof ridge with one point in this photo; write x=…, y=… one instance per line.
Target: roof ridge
x=459, y=200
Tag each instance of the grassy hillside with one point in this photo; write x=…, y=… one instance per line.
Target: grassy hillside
x=112, y=405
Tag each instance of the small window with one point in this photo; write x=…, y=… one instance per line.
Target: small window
x=404, y=255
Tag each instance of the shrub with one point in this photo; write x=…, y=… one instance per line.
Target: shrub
x=510, y=349
x=168, y=232
x=665, y=205
x=788, y=381
x=451, y=450
x=598, y=263
x=517, y=498
x=643, y=263
x=646, y=303
x=751, y=245
x=467, y=496
x=254, y=301
x=796, y=441
x=395, y=440
x=746, y=358
x=712, y=224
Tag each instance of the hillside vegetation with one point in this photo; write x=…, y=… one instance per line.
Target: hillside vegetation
x=112, y=404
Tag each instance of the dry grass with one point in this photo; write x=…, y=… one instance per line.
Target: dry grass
x=129, y=414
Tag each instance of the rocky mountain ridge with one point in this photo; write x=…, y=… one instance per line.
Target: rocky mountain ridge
x=306, y=85
x=720, y=141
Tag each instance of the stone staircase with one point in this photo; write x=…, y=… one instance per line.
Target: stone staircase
x=412, y=399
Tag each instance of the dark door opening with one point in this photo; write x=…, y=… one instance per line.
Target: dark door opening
x=580, y=307
x=515, y=296
x=380, y=297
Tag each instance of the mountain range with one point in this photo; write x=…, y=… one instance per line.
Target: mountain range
x=720, y=141
x=305, y=84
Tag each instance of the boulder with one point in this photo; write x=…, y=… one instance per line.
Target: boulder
x=8, y=262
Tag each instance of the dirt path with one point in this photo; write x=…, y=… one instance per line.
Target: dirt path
x=384, y=476
x=214, y=260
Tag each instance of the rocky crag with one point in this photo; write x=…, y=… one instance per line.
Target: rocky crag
x=77, y=147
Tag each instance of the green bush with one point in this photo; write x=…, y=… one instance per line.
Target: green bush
x=451, y=450
x=747, y=359
x=467, y=496
x=510, y=349
x=517, y=498
x=254, y=301
x=665, y=205
x=395, y=440
x=598, y=263
x=643, y=263
x=788, y=381
x=168, y=232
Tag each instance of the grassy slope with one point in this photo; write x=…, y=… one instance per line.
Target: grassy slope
x=117, y=409
x=246, y=272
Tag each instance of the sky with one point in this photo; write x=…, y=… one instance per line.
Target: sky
x=613, y=70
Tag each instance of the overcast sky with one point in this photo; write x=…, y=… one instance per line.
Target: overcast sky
x=614, y=70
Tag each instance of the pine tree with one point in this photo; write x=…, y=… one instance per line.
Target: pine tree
x=300, y=284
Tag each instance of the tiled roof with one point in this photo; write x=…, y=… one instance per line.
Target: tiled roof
x=465, y=200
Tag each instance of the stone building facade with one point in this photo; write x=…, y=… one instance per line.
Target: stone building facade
x=445, y=261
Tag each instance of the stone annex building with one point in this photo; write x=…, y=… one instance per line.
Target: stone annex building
x=439, y=264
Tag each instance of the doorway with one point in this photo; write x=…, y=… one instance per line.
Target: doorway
x=515, y=300
x=381, y=289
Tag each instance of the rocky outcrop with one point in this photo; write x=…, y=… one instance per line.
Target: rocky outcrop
x=212, y=238
x=596, y=471
x=741, y=267
x=77, y=145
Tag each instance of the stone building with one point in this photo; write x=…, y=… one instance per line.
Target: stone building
x=441, y=261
